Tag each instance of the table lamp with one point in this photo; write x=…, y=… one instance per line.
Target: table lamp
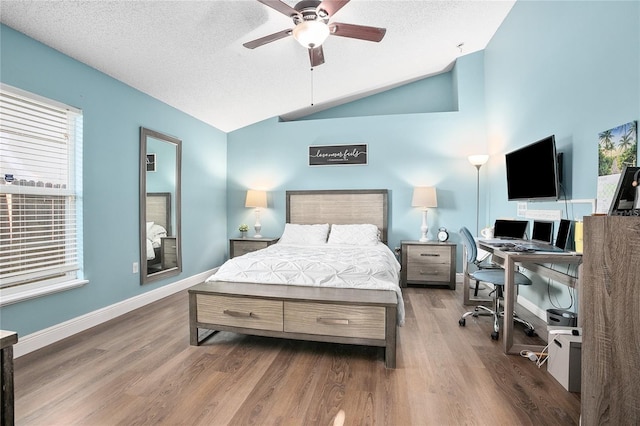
x=424, y=197
x=258, y=200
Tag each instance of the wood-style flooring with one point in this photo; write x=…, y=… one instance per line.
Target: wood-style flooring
x=140, y=370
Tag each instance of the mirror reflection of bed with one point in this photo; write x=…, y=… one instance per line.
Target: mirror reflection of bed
x=160, y=240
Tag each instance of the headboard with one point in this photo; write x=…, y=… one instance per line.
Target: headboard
x=159, y=209
x=339, y=206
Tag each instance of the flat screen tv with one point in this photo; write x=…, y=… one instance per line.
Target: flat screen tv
x=532, y=172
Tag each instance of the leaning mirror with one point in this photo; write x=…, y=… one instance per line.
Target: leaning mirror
x=160, y=238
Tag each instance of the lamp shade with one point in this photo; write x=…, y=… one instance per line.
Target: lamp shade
x=424, y=196
x=311, y=33
x=256, y=198
x=478, y=160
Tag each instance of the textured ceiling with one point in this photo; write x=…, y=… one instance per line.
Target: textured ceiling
x=189, y=54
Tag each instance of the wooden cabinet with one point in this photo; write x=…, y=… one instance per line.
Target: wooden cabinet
x=7, y=340
x=169, y=252
x=240, y=246
x=430, y=263
x=610, y=318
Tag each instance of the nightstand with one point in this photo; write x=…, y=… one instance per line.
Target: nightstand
x=240, y=246
x=430, y=263
x=168, y=252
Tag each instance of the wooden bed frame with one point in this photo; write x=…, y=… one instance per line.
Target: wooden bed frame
x=339, y=315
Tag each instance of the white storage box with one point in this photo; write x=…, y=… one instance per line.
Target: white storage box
x=565, y=356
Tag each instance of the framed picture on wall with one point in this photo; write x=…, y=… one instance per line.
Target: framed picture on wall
x=151, y=162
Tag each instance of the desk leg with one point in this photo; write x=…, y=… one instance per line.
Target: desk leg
x=509, y=304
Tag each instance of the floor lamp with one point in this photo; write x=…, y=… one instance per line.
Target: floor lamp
x=478, y=161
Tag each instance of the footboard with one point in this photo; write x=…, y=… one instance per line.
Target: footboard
x=338, y=315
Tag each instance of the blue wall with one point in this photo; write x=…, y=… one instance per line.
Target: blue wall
x=404, y=151
x=113, y=114
x=566, y=68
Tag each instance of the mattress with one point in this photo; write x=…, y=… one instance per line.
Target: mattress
x=372, y=267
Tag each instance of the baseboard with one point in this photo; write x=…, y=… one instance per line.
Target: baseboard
x=42, y=338
x=532, y=307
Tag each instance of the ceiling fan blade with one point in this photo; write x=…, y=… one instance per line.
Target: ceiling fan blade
x=316, y=56
x=361, y=32
x=280, y=7
x=267, y=39
x=332, y=6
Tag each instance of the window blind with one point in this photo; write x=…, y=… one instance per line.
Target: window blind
x=40, y=153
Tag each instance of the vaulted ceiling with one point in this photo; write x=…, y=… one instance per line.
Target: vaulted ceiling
x=189, y=54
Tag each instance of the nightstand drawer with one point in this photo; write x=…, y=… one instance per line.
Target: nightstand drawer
x=240, y=246
x=429, y=272
x=428, y=255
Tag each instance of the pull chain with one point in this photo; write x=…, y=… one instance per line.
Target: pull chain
x=311, y=86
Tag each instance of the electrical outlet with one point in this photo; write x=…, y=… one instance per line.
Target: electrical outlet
x=135, y=267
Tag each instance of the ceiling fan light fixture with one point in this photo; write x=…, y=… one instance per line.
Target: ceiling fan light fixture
x=311, y=33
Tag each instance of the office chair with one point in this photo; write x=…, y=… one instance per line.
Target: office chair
x=492, y=276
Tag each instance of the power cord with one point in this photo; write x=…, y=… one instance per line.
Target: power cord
x=541, y=357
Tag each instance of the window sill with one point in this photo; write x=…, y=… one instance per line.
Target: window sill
x=10, y=296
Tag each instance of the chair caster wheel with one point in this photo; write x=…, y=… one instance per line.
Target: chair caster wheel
x=495, y=335
x=530, y=332
x=462, y=322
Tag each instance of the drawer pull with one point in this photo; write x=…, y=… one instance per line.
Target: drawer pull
x=427, y=273
x=332, y=321
x=239, y=314
x=430, y=254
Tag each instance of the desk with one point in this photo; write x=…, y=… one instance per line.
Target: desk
x=532, y=261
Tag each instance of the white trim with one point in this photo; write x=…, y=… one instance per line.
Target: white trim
x=532, y=307
x=16, y=91
x=11, y=295
x=48, y=336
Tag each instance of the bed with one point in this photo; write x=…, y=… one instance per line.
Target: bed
x=158, y=226
x=294, y=309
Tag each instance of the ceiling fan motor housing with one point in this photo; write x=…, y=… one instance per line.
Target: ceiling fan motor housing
x=309, y=11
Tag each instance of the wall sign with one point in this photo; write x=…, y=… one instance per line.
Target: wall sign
x=338, y=155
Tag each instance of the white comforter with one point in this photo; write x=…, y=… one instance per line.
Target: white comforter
x=365, y=267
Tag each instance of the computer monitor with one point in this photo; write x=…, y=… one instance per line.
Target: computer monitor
x=503, y=228
x=542, y=231
x=562, y=239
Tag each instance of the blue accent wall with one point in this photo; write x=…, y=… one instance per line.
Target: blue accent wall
x=569, y=68
x=113, y=114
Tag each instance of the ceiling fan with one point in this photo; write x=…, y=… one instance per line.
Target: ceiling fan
x=312, y=27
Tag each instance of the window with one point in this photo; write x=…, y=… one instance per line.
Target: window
x=40, y=188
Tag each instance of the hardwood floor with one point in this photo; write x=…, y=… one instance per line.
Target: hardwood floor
x=139, y=369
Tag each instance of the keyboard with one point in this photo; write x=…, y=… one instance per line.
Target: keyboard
x=520, y=245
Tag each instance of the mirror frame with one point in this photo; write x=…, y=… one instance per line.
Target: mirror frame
x=145, y=277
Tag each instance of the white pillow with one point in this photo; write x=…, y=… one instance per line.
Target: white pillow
x=155, y=233
x=357, y=235
x=149, y=225
x=304, y=234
